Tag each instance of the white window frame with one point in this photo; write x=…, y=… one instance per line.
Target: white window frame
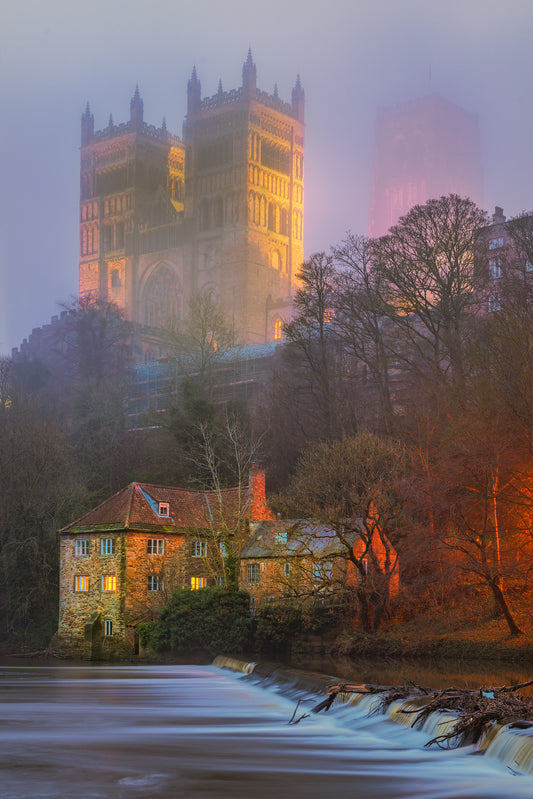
x=253, y=573
x=155, y=583
x=199, y=549
x=107, y=546
x=156, y=546
x=108, y=627
x=164, y=509
x=82, y=547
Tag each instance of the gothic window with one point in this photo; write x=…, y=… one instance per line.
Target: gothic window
x=162, y=298
x=275, y=260
x=251, y=207
x=218, y=212
x=278, y=329
x=108, y=238
x=284, y=222
x=84, y=242
x=119, y=232
x=271, y=217
x=115, y=279
x=205, y=221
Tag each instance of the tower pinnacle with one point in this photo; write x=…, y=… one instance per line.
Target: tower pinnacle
x=136, y=108
x=249, y=74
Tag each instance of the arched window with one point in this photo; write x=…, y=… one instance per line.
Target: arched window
x=218, y=214
x=275, y=260
x=162, y=298
x=278, y=329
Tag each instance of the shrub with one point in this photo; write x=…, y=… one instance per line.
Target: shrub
x=276, y=627
x=212, y=620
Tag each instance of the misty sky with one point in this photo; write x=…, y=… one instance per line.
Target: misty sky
x=352, y=55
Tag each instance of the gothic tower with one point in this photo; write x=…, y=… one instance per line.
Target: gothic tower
x=163, y=219
x=423, y=149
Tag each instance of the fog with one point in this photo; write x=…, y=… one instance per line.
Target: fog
x=353, y=56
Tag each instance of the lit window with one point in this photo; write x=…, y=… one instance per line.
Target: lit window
x=495, y=243
x=155, y=583
x=198, y=582
x=81, y=582
x=164, y=509
x=82, y=546
x=156, y=546
x=199, y=549
x=107, y=546
x=252, y=573
x=286, y=570
x=109, y=582
x=495, y=268
x=278, y=329
x=108, y=627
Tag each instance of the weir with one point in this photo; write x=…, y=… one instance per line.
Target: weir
x=511, y=744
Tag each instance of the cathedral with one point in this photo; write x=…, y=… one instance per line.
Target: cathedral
x=164, y=219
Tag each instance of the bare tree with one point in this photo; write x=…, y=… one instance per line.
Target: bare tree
x=352, y=487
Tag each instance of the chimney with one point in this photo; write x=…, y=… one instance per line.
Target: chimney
x=259, y=511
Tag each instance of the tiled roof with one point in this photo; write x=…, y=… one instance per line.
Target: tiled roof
x=292, y=538
x=136, y=508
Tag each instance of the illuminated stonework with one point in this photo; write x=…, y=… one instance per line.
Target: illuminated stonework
x=163, y=218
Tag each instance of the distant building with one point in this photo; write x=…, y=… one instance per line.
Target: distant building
x=423, y=149
x=504, y=260
x=163, y=218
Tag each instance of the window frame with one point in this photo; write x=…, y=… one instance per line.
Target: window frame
x=109, y=580
x=107, y=546
x=81, y=583
x=82, y=543
x=199, y=549
x=155, y=582
x=253, y=574
x=155, y=546
x=197, y=583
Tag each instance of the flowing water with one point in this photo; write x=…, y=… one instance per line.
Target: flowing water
x=96, y=732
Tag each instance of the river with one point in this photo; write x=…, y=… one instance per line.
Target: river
x=102, y=732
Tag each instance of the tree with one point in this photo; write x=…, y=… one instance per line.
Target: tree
x=426, y=263
x=353, y=487
x=360, y=324
x=200, y=344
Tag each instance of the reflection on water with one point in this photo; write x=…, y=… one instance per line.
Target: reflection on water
x=84, y=732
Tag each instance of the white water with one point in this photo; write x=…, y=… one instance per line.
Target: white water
x=99, y=732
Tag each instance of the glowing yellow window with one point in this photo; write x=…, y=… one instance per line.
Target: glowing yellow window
x=198, y=582
x=278, y=329
x=109, y=582
x=81, y=582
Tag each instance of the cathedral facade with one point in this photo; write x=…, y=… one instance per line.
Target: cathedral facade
x=164, y=219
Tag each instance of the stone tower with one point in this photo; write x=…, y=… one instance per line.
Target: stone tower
x=423, y=149
x=163, y=219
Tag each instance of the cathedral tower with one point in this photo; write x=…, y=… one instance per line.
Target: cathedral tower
x=163, y=219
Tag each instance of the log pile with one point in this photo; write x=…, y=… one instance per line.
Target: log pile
x=475, y=710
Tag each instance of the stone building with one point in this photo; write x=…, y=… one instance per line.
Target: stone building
x=304, y=559
x=423, y=149
x=121, y=561
x=163, y=219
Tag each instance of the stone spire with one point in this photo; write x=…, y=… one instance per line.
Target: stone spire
x=136, y=109
x=249, y=74
x=298, y=100
x=194, y=92
x=87, y=126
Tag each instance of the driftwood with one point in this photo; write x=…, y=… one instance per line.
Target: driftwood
x=475, y=710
